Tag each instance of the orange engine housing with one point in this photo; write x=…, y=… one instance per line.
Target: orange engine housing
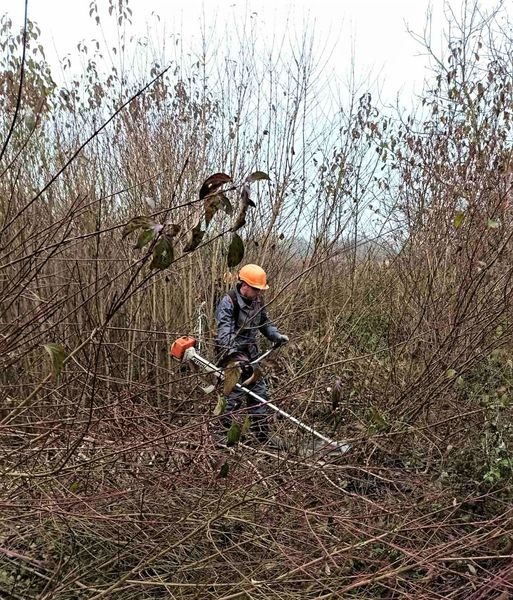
x=180, y=345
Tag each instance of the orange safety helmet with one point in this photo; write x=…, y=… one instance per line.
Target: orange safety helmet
x=254, y=276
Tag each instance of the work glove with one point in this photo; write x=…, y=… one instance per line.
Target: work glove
x=282, y=339
x=247, y=370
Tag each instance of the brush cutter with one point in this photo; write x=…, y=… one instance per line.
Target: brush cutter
x=184, y=350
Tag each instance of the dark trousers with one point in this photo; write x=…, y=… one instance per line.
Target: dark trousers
x=256, y=410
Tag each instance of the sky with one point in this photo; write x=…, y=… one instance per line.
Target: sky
x=370, y=35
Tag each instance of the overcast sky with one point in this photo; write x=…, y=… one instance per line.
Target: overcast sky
x=375, y=32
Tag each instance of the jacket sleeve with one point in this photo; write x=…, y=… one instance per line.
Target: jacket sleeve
x=267, y=328
x=225, y=334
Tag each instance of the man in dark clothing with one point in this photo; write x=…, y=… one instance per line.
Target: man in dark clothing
x=240, y=315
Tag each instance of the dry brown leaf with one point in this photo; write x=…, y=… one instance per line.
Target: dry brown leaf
x=195, y=237
x=213, y=183
x=230, y=278
x=232, y=373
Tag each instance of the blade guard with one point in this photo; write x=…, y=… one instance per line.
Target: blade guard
x=180, y=347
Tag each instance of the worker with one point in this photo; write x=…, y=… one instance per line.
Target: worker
x=239, y=315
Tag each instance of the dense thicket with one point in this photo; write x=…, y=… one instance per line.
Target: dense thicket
x=387, y=239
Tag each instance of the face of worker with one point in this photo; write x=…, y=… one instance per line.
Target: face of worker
x=249, y=292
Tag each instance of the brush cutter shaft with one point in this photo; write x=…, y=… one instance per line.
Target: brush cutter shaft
x=209, y=367
x=262, y=356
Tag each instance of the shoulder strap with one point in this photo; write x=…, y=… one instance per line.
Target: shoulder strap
x=263, y=313
x=236, y=307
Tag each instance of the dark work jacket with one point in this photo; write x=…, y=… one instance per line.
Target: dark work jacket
x=242, y=336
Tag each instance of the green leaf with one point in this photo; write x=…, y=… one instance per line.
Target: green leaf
x=30, y=122
x=162, y=253
x=224, y=470
x=459, y=217
x=74, y=486
x=136, y=223
x=377, y=419
x=233, y=435
x=144, y=238
x=492, y=224
x=450, y=373
x=257, y=176
x=245, y=426
x=235, y=251
x=57, y=356
x=220, y=406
